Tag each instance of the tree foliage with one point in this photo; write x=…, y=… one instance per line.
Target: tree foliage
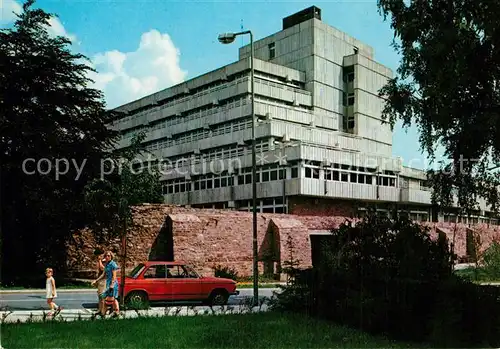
x=109, y=199
x=448, y=85
x=47, y=112
x=50, y=115
x=380, y=248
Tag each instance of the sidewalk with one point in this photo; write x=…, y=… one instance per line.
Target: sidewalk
x=27, y=316
x=42, y=290
x=93, y=289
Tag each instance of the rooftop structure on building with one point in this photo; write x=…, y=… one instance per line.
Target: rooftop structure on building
x=321, y=144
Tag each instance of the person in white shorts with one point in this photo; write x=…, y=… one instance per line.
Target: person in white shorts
x=50, y=287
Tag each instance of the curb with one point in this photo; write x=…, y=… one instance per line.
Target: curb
x=25, y=316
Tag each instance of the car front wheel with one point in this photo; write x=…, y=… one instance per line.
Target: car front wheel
x=218, y=297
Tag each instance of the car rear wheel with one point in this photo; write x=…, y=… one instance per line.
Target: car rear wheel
x=137, y=298
x=218, y=297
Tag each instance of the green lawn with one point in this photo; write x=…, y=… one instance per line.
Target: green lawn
x=477, y=274
x=264, y=330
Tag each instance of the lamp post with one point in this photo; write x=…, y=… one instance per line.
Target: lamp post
x=228, y=38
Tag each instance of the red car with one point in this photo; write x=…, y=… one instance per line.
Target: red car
x=175, y=281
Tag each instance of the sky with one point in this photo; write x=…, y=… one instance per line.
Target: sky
x=140, y=47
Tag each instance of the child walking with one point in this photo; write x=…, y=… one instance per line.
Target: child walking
x=50, y=287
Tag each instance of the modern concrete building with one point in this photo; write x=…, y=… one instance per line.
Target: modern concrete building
x=322, y=148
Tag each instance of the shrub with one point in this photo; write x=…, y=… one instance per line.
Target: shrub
x=491, y=261
x=225, y=272
x=389, y=277
x=297, y=295
x=465, y=314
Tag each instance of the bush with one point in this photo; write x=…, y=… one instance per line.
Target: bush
x=488, y=268
x=389, y=277
x=466, y=314
x=225, y=272
x=297, y=295
x=491, y=261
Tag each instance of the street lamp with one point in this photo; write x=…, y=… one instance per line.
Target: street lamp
x=228, y=38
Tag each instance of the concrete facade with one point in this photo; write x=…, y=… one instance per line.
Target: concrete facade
x=319, y=132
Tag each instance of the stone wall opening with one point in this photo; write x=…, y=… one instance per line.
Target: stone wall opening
x=269, y=252
x=163, y=246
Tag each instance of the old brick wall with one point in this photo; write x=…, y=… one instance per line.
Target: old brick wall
x=148, y=220
x=206, y=237
x=487, y=233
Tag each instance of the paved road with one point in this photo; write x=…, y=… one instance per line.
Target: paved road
x=88, y=299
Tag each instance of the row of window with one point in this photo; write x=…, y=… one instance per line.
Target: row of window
x=360, y=178
x=350, y=168
x=471, y=220
x=264, y=174
x=209, y=88
x=263, y=78
x=201, y=183
x=216, y=86
x=267, y=205
x=199, y=134
x=220, y=153
x=352, y=174
x=180, y=98
x=196, y=114
x=414, y=216
x=201, y=112
x=209, y=181
x=280, y=86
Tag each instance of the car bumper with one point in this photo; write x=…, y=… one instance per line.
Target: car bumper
x=235, y=293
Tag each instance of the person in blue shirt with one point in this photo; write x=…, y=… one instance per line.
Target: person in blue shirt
x=110, y=294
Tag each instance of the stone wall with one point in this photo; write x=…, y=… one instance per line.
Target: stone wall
x=206, y=237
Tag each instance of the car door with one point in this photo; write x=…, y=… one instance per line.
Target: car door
x=183, y=285
x=154, y=280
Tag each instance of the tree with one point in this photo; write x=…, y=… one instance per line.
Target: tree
x=448, y=85
x=109, y=200
x=49, y=117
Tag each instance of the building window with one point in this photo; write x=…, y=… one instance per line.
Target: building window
x=350, y=123
x=356, y=50
x=350, y=99
x=295, y=172
x=272, y=50
x=350, y=77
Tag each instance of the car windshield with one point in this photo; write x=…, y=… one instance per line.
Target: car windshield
x=136, y=270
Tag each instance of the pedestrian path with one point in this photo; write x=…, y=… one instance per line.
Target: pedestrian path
x=27, y=316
